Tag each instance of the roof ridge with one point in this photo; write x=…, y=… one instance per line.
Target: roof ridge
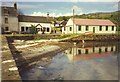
x=90, y=19
x=79, y=21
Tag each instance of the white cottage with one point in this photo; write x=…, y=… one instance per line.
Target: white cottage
x=41, y=23
x=98, y=26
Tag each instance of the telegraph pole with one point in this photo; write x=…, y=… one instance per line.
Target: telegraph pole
x=73, y=21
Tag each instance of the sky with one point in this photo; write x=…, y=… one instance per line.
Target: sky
x=64, y=8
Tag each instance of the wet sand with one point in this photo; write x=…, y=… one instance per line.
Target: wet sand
x=37, y=52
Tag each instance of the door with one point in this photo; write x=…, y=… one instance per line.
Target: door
x=93, y=29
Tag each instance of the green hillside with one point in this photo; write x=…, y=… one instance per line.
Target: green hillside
x=113, y=16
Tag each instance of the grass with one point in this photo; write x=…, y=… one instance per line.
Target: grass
x=56, y=36
x=118, y=32
x=40, y=39
x=67, y=36
x=19, y=35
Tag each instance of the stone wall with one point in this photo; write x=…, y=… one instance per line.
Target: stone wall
x=112, y=37
x=9, y=68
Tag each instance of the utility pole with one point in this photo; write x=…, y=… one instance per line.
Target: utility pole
x=73, y=21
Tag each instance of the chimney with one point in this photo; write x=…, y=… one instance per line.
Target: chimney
x=47, y=14
x=15, y=5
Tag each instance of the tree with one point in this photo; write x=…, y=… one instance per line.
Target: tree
x=33, y=29
x=2, y=30
x=20, y=12
x=43, y=30
x=64, y=18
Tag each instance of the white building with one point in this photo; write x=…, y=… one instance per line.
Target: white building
x=41, y=23
x=9, y=19
x=99, y=26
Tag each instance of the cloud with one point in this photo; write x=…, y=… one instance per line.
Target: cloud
x=115, y=5
x=25, y=6
x=77, y=9
x=10, y=4
x=51, y=14
x=75, y=1
x=41, y=14
x=94, y=11
x=61, y=1
x=92, y=1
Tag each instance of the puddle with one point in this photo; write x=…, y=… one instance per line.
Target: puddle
x=78, y=63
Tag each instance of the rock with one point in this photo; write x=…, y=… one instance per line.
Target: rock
x=8, y=61
x=58, y=78
x=13, y=69
x=44, y=59
x=41, y=67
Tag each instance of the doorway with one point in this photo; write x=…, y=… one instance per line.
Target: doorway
x=93, y=29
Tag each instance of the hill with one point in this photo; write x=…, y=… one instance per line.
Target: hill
x=113, y=16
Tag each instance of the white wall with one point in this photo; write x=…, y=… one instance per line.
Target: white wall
x=12, y=23
x=83, y=29
x=28, y=24
x=68, y=25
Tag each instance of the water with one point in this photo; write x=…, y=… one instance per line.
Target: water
x=98, y=62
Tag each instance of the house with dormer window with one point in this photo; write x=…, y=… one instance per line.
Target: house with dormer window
x=13, y=22
x=41, y=23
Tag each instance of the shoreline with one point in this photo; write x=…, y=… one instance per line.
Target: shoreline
x=67, y=38
x=30, y=55
x=21, y=48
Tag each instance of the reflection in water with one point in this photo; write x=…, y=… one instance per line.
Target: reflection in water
x=89, y=52
x=88, y=63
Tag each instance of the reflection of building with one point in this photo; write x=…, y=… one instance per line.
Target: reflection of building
x=91, y=52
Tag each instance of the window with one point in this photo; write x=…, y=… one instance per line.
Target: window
x=112, y=28
x=106, y=28
x=6, y=20
x=79, y=28
x=41, y=29
x=5, y=11
x=26, y=28
x=100, y=50
x=86, y=28
x=48, y=29
x=86, y=51
x=93, y=49
x=105, y=49
x=6, y=29
x=111, y=48
x=70, y=28
x=22, y=29
x=70, y=51
x=37, y=29
x=100, y=28
x=79, y=51
x=64, y=28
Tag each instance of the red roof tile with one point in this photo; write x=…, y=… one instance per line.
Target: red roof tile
x=93, y=22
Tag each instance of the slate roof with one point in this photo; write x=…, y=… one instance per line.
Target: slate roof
x=64, y=23
x=35, y=19
x=8, y=11
x=93, y=22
